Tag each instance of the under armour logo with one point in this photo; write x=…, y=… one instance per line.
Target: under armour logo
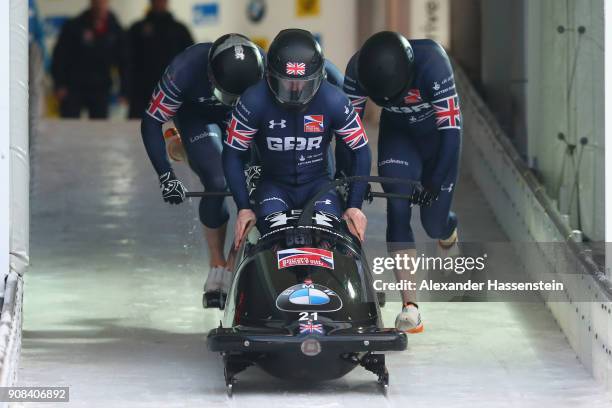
x=449, y=188
x=212, y=99
x=436, y=86
x=281, y=218
x=239, y=52
x=282, y=124
x=325, y=219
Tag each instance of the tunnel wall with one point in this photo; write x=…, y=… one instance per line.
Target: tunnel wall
x=10, y=318
x=4, y=142
x=568, y=98
x=542, y=75
x=528, y=216
x=608, y=135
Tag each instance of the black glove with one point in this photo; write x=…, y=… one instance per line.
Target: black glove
x=426, y=196
x=173, y=191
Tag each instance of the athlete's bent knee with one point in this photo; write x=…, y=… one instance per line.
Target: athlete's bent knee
x=213, y=212
x=216, y=184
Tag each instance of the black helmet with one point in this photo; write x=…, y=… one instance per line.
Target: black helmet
x=234, y=64
x=385, y=67
x=296, y=67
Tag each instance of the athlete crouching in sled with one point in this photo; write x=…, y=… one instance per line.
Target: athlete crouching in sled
x=197, y=92
x=291, y=117
x=419, y=139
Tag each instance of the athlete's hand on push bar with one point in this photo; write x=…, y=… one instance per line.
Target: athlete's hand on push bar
x=356, y=221
x=246, y=218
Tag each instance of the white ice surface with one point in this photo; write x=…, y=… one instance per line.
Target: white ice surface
x=112, y=305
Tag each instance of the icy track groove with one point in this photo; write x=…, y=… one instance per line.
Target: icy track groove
x=112, y=304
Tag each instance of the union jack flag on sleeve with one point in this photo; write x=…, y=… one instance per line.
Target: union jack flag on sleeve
x=448, y=113
x=238, y=135
x=163, y=105
x=358, y=102
x=353, y=133
x=354, y=92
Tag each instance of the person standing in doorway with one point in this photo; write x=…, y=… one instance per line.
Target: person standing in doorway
x=154, y=42
x=89, y=47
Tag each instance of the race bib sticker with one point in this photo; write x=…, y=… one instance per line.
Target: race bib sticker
x=305, y=257
x=308, y=297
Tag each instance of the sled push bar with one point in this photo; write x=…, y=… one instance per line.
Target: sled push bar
x=369, y=196
x=306, y=217
x=308, y=210
x=213, y=194
x=205, y=194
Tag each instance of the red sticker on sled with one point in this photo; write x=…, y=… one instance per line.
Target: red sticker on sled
x=305, y=257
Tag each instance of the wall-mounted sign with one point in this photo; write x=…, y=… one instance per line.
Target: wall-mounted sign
x=256, y=10
x=430, y=19
x=205, y=13
x=308, y=8
x=52, y=25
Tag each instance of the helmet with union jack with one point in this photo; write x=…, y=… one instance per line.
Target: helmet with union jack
x=385, y=67
x=295, y=68
x=234, y=64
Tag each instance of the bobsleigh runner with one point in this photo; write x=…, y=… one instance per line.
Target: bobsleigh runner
x=302, y=305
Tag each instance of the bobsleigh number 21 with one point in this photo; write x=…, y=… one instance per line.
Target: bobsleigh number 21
x=302, y=305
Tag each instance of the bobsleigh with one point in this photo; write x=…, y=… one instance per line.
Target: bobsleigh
x=302, y=305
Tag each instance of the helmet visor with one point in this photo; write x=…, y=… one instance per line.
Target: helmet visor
x=294, y=91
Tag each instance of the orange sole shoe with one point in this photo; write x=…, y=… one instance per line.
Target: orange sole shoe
x=448, y=243
x=419, y=329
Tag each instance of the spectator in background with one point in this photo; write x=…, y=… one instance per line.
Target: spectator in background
x=154, y=42
x=88, y=48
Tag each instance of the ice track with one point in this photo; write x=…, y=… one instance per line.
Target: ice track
x=113, y=304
